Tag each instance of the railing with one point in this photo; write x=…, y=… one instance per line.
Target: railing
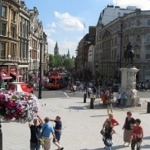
x=23, y=60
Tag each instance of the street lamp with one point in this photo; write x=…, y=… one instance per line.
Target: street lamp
x=40, y=72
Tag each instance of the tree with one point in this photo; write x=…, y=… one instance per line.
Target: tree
x=61, y=61
x=51, y=60
x=69, y=63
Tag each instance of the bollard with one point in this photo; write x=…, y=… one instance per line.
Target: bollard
x=84, y=98
x=148, y=107
x=92, y=103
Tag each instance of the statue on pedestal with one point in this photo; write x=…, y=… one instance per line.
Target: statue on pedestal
x=129, y=55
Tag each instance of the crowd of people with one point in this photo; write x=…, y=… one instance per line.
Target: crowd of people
x=43, y=131
x=132, y=131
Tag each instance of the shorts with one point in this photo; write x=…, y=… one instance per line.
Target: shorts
x=58, y=135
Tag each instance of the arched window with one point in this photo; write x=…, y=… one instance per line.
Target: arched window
x=147, y=52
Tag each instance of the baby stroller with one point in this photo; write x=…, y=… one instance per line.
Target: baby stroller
x=108, y=143
x=107, y=139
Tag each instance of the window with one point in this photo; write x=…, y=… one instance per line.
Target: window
x=3, y=29
x=4, y=11
x=147, y=56
x=13, y=32
x=148, y=22
x=13, y=50
x=3, y=50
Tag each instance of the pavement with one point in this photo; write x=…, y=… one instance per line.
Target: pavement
x=81, y=125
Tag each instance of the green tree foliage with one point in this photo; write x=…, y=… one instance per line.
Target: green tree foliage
x=61, y=61
x=69, y=63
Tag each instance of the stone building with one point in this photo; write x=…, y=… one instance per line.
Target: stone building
x=21, y=40
x=9, y=41
x=82, y=60
x=36, y=42
x=24, y=26
x=112, y=39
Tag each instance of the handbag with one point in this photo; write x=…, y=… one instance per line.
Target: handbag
x=102, y=132
x=138, y=139
x=41, y=139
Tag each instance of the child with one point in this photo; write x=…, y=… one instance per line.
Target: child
x=107, y=135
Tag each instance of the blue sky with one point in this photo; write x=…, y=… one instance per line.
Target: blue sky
x=67, y=21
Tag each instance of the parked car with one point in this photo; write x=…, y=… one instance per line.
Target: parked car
x=20, y=87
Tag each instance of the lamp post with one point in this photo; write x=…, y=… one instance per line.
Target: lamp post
x=40, y=72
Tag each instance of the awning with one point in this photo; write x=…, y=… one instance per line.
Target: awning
x=5, y=76
x=14, y=73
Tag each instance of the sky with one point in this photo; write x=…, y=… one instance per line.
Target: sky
x=67, y=21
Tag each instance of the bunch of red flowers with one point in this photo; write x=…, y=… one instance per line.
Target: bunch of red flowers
x=18, y=105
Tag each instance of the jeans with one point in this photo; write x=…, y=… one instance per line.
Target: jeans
x=34, y=146
x=133, y=144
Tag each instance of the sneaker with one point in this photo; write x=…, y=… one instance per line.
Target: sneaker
x=61, y=148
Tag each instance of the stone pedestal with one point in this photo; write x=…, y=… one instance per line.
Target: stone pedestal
x=128, y=84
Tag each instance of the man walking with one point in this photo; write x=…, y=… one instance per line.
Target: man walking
x=35, y=133
x=47, y=131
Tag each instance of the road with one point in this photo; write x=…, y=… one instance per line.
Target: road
x=65, y=93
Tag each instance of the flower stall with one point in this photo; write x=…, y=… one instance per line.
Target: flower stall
x=18, y=106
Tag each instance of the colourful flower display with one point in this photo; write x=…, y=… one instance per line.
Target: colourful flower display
x=19, y=106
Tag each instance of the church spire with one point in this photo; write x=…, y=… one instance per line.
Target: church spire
x=68, y=55
x=56, y=49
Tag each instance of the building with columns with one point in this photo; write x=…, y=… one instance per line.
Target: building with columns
x=112, y=39
x=24, y=31
x=21, y=40
x=9, y=40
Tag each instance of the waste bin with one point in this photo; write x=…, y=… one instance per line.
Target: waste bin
x=92, y=103
x=148, y=107
x=84, y=99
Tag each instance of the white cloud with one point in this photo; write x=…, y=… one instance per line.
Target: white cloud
x=65, y=45
x=49, y=32
x=51, y=44
x=68, y=22
x=143, y=4
x=52, y=25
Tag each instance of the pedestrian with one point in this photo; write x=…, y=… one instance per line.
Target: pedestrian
x=107, y=135
x=58, y=131
x=118, y=101
x=109, y=100
x=124, y=98
x=137, y=135
x=47, y=131
x=133, y=96
x=128, y=128
x=35, y=133
x=89, y=92
x=113, y=121
x=103, y=97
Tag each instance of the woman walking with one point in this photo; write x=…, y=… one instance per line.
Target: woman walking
x=128, y=128
x=107, y=135
x=111, y=119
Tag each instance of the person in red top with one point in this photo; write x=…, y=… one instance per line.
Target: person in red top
x=113, y=121
x=137, y=135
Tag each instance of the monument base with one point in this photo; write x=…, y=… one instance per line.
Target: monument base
x=128, y=85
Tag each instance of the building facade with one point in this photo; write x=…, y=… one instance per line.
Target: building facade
x=112, y=39
x=24, y=31
x=21, y=40
x=9, y=43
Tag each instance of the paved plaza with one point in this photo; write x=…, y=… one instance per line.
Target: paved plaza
x=81, y=125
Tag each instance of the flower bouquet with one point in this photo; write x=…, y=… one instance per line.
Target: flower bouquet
x=19, y=106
